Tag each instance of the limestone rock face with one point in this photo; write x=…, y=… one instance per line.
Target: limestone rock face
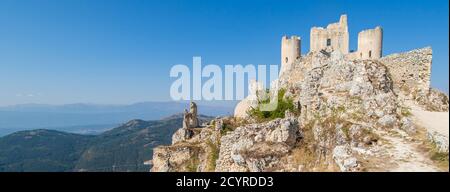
x=330, y=83
x=255, y=147
x=439, y=140
x=344, y=159
x=176, y=159
x=433, y=100
x=181, y=134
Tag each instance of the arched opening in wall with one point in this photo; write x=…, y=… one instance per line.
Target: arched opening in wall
x=360, y=55
x=286, y=60
x=370, y=54
x=328, y=42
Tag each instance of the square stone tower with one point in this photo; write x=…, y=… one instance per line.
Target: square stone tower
x=334, y=37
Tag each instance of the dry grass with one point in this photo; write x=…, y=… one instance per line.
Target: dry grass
x=307, y=153
x=427, y=147
x=213, y=155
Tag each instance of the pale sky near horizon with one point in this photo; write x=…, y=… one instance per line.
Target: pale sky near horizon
x=119, y=52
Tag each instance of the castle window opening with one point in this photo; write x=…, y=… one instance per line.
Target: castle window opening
x=370, y=54
x=287, y=59
x=328, y=42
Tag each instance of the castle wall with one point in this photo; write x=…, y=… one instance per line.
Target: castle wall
x=290, y=51
x=335, y=36
x=370, y=44
x=410, y=71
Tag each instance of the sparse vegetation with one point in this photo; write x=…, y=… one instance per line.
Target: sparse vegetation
x=193, y=164
x=282, y=105
x=307, y=154
x=440, y=159
x=213, y=155
x=405, y=111
x=226, y=128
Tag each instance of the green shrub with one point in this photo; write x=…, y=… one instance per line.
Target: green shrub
x=283, y=105
x=225, y=129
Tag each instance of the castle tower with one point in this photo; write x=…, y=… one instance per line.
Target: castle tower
x=290, y=51
x=334, y=37
x=370, y=43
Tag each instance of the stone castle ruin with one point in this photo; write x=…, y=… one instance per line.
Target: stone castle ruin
x=409, y=71
x=350, y=111
x=335, y=37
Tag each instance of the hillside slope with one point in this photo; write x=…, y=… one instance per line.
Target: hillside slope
x=41, y=150
x=124, y=148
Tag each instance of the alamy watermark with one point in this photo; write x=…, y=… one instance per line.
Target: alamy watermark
x=211, y=82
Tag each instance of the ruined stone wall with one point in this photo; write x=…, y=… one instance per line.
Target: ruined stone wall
x=411, y=70
x=290, y=51
x=411, y=73
x=370, y=43
x=335, y=36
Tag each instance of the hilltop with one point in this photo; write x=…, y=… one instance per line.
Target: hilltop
x=334, y=113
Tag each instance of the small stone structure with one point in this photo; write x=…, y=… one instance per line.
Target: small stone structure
x=186, y=119
x=194, y=116
x=190, y=118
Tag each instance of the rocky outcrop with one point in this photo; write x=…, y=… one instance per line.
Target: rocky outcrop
x=433, y=100
x=182, y=134
x=183, y=157
x=257, y=147
x=193, y=154
x=440, y=141
x=342, y=155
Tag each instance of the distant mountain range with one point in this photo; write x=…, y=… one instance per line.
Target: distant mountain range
x=124, y=148
x=91, y=118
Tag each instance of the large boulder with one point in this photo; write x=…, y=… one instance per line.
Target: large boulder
x=251, y=101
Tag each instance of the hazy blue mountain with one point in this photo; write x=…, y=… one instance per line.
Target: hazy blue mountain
x=91, y=118
x=124, y=148
x=41, y=150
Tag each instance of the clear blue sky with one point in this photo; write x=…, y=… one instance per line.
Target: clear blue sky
x=69, y=51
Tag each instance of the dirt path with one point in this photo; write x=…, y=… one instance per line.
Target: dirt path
x=433, y=121
x=398, y=153
x=406, y=157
